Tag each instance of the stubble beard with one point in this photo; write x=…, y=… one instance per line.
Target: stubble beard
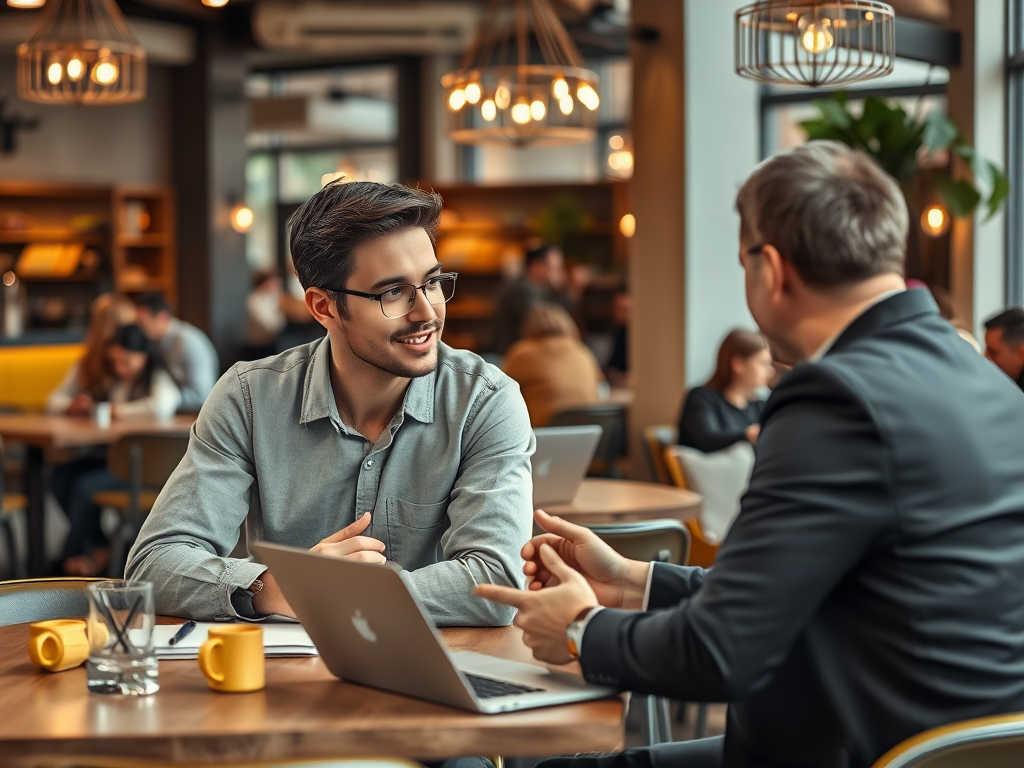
x=378, y=357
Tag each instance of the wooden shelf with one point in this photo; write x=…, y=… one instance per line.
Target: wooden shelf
x=147, y=240
x=90, y=277
x=25, y=236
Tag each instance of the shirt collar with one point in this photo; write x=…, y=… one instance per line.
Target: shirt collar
x=824, y=348
x=318, y=395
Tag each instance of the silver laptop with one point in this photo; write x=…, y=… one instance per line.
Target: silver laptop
x=370, y=629
x=560, y=461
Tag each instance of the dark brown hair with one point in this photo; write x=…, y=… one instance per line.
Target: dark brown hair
x=737, y=344
x=332, y=223
x=1011, y=323
x=829, y=209
x=109, y=312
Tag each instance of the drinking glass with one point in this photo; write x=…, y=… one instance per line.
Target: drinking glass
x=122, y=659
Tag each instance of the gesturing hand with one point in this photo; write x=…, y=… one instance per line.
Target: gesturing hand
x=616, y=581
x=545, y=615
x=349, y=544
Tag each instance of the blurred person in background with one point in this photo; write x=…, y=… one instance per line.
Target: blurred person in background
x=728, y=408
x=187, y=351
x=617, y=370
x=265, y=316
x=544, y=280
x=89, y=379
x=136, y=385
x=1004, y=343
x=554, y=369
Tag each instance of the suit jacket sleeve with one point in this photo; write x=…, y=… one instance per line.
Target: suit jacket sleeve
x=818, y=500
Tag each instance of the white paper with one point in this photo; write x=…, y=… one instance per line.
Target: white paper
x=279, y=640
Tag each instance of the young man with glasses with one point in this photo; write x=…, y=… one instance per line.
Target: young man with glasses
x=377, y=443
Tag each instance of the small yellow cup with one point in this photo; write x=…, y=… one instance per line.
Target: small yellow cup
x=59, y=644
x=232, y=658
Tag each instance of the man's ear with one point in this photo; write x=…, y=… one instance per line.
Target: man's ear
x=776, y=273
x=321, y=306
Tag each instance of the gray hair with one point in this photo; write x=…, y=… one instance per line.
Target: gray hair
x=829, y=209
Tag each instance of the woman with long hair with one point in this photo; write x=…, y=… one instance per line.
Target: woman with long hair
x=88, y=380
x=554, y=369
x=135, y=384
x=727, y=409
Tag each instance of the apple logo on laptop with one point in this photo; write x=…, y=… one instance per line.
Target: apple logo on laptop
x=363, y=628
x=543, y=467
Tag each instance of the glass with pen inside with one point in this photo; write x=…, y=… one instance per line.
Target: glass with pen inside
x=122, y=659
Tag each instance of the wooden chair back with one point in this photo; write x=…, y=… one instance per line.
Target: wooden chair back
x=988, y=742
x=657, y=438
x=702, y=551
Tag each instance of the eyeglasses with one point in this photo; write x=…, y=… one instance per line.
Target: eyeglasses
x=755, y=250
x=399, y=300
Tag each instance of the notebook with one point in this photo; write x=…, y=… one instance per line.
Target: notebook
x=279, y=640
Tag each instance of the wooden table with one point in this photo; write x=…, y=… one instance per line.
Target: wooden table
x=303, y=712
x=603, y=501
x=39, y=432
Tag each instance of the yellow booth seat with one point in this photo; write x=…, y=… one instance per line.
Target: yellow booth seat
x=29, y=374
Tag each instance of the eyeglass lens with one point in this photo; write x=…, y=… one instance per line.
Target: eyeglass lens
x=398, y=301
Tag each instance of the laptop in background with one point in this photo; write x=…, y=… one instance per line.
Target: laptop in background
x=560, y=461
x=370, y=629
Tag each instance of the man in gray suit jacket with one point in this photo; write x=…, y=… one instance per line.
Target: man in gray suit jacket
x=872, y=585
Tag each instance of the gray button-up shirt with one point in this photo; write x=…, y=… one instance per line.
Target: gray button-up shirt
x=448, y=483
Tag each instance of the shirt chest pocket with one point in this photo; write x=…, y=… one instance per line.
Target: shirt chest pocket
x=415, y=532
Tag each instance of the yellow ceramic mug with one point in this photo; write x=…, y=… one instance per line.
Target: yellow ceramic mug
x=232, y=658
x=58, y=645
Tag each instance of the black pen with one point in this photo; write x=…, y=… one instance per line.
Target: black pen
x=182, y=633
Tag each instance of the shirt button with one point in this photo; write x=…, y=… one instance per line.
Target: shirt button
x=368, y=464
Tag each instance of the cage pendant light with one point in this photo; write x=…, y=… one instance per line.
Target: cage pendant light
x=815, y=42
x=82, y=52
x=498, y=95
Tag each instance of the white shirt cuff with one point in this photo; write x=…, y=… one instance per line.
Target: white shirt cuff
x=583, y=626
x=647, y=591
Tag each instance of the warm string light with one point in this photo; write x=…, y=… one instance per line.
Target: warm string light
x=527, y=108
x=242, y=218
x=935, y=221
x=627, y=225
x=26, y=3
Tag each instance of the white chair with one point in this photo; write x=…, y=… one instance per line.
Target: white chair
x=721, y=478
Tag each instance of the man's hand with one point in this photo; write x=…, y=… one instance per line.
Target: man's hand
x=349, y=544
x=616, y=581
x=545, y=615
x=346, y=543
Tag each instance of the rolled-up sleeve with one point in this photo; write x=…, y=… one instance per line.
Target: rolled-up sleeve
x=185, y=543
x=491, y=514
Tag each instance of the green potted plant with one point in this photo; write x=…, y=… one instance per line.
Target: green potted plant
x=907, y=146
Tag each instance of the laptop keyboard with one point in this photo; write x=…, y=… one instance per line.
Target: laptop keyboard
x=489, y=688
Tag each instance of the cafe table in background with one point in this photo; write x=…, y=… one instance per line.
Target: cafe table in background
x=303, y=712
x=602, y=500
x=40, y=433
